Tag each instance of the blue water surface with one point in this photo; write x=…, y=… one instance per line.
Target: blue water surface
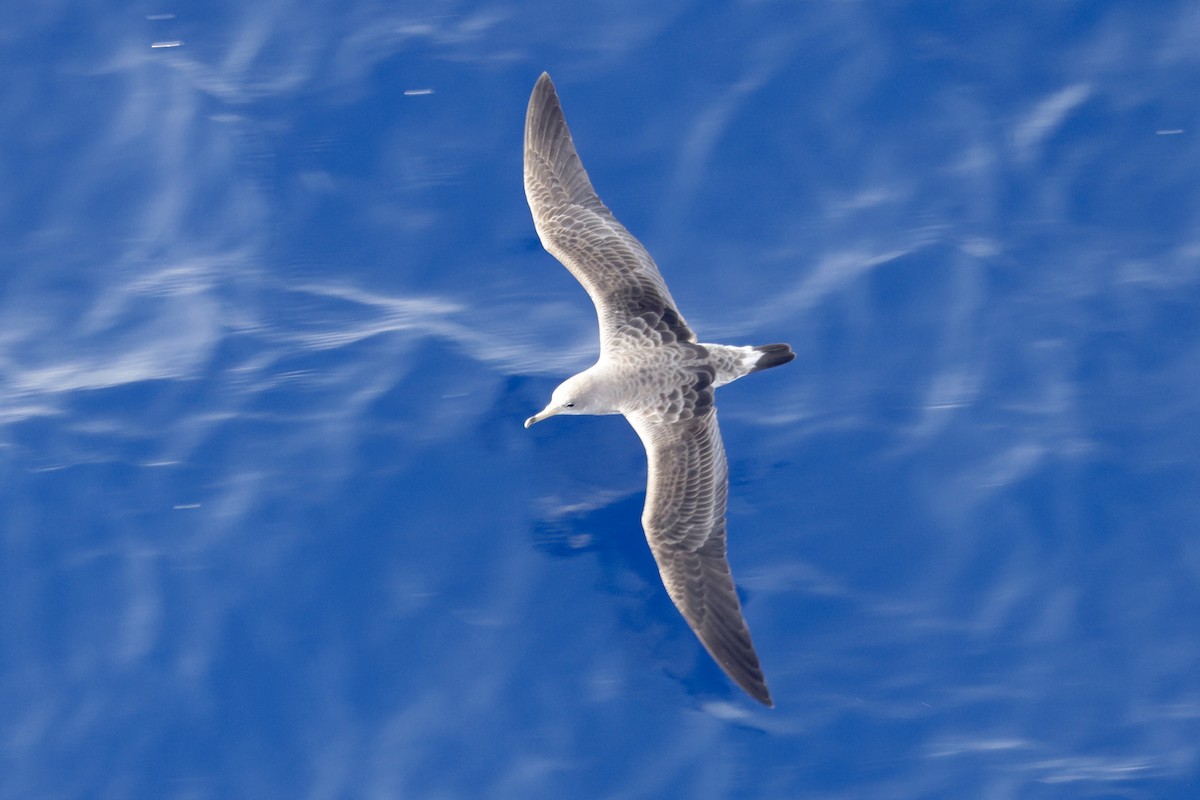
x=272, y=312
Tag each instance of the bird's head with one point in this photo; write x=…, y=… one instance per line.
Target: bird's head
x=580, y=394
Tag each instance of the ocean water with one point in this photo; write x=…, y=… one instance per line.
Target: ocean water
x=272, y=312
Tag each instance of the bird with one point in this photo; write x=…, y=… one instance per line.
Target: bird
x=651, y=369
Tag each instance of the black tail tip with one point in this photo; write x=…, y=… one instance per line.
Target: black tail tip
x=772, y=356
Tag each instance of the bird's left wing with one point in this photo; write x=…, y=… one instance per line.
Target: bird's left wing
x=684, y=521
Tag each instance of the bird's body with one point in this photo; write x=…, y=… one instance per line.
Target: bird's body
x=653, y=371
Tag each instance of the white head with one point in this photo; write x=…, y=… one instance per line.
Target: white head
x=580, y=394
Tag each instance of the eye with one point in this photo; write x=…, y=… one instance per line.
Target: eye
x=568, y=405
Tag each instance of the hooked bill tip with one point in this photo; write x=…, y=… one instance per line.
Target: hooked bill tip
x=549, y=411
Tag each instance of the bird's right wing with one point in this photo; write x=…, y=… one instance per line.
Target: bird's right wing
x=631, y=298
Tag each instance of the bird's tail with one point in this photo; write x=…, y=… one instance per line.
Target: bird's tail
x=732, y=362
x=772, y=355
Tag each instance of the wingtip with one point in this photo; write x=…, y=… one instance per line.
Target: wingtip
x=741, y=665
x=543, y=106
x=544, y=84
x=756, y=688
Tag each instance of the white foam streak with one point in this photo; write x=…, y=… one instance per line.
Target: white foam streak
x=1046, y=117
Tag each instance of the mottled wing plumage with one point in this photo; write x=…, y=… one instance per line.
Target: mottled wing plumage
x=684, y=520
x=632, y=301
